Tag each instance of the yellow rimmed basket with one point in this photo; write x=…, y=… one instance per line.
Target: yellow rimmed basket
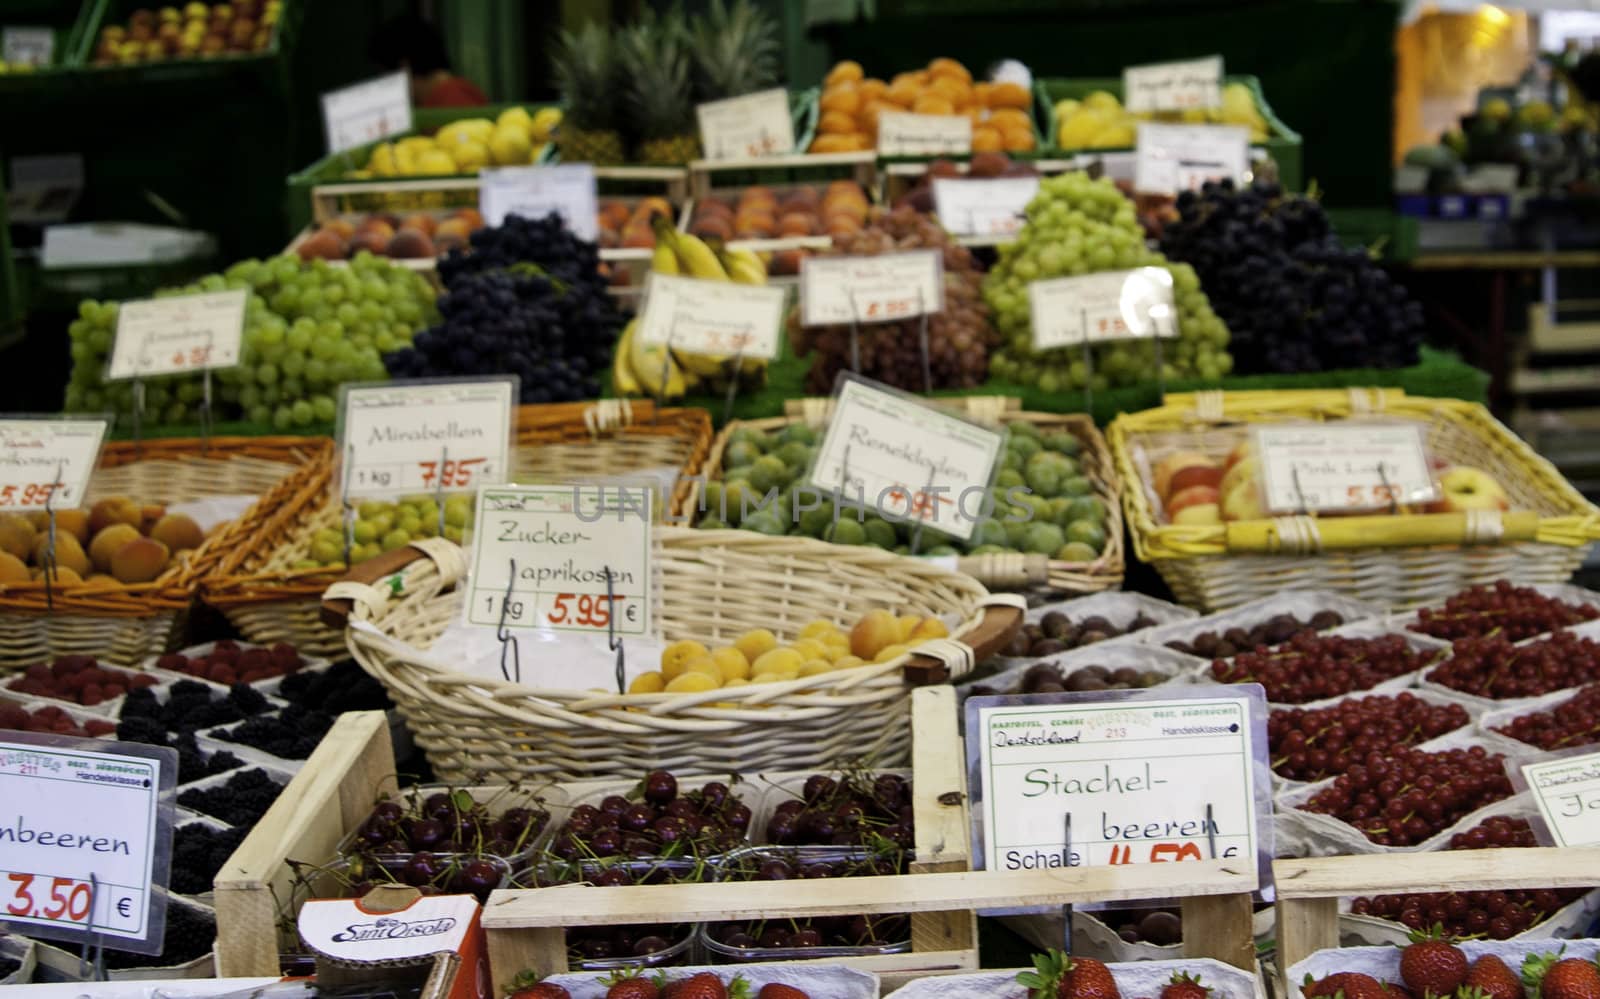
x=715, y=585
x=1403, y=560
x=268, y=599
x=1012, y=571
x=124, y=623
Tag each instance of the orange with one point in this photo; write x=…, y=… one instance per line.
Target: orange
x=833, y=144
x=1017, y=139
x=949, y=68
x=955, y=91
x=1010, y=95
x=932, y=104
x=836, y=123
x=846, y=71
x=987, y=140
x=860, y=143
x=978, y=115
x=982, y=92
x=870, y=88
x=1010, y=117
x=904, y=91
x=843, y=98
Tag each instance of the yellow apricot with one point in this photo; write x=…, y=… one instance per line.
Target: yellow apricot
x=809, y=648
x=647, y=683
x=692, y=682
x=674, y=656
x=907, y=625
x=706, y=665
x=885, y=654
x=776, y=661
x=811, y=667
x=732, y=663
x=754, y=643
x=845, y=662
x=819, y=629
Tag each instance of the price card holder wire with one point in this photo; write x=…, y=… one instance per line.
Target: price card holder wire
x=138, y=417
x=612, y=641
x=508, y=639
x=438, y=489
x=855, y=333
x=348, y=513
x=1088, y=367
x=911, y=507
x=92, y=958
x=733, y=384
x=922, y=345
x=50, y=536
x=1066, y=907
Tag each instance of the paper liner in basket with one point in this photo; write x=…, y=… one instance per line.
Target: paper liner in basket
x=818, y=980
x=1383, y=963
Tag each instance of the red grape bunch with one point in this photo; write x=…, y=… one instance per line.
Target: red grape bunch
x=1517, y=612
x=1310, y=667
x=1310, y=744
x=1402, y=798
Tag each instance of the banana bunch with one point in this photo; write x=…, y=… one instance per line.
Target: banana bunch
x=644, y=369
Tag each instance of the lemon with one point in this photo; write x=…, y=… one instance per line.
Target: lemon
x=382, y=161
x=418, y=144
x=889, y=652
x=732, y=662
x=675, y=657
x=1077, y=130
x=435, y=161
x=517, y=118
x=470, y=156
x=692, y=682
x=405, y=160
x=647, y=683
x=1102, y=100
x=754, y=643
x=465, y=130
x=1114, y=137
x=776, y=661
x=510, y=147
x=1066, y=107
x=544, y=123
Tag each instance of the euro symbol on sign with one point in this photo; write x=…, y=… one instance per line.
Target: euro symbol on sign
x=123, y=905
x=631, y=609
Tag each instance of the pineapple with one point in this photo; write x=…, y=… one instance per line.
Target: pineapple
x=586, y=73
x=655, y=63
x=735, y=51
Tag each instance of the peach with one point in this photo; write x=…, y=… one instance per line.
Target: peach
x=139, y=561
x=1195, y=475
x=1190, y=497
x=1168, y=466
x=876, y=631
x=1199, y=513
x=1244, y=502
x=108, y=541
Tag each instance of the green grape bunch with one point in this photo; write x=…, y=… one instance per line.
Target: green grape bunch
x=1078, y=225
x=308, y=327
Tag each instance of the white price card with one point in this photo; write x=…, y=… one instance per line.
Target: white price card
x=991, y=206
x=84, y=838
x=877, y=289
x=366, y=112
x=891, y=455
x=757, y=124
x=1095, y=308
x=425, y=436
x=44, y=458
x=534, y=192
x=27, y=46
x=183, y=333
x=1351, y=466
x=1141, y=779
x=542, y=556
x=1175, y=158
x=712, y=317
x=903, y=133
x=1173, y=86
x=1567, y=791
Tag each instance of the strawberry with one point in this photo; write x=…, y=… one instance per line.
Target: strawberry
x=1492, y=979
x=1394, y=990
x=1057, y=976
x=527, y=986
x=1432, y=966
x=706, y=985
x=772, y=990
x=626, y=983
x=1349, y=984
x=1550, y=976
x=1184, y=986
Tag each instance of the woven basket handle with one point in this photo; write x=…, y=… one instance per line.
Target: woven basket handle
x=995, y=628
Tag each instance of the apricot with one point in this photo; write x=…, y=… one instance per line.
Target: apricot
x=842, y=225
x=836, y=123
x=731, y=662
x=780, y=661
x=844, y=71
x=833, y=144
x=907, y=624
x=757, y=194
x=63, y=576
x=1017, y=139
x=1009, y=95
x=452, y=232
x=73, y=522
x=677, y=655
x=139, y=561
x=107, y=542
x=819, y=629
x=950, y=69
x=929, y=628
x=16, y=535
x=69, y=554
x=889, y=652
x=647, y=683
x=876, y=630
x=471, y=217
x=1010, y=117
x=797, y=224
x=323, y=245
x=987, y=140
x=871, y=89
x=692, y=682
x=754, y=643
x=706, y=665
x=930, y=103
x=959, y=94
x=178, y=531
x=844, y=98
x=12, y=569
x=904, y=90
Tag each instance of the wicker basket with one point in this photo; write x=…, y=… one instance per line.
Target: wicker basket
x=270, y=601
x=1013, y=571
x=1405, y=560
x=715, y=585
x=123, y=624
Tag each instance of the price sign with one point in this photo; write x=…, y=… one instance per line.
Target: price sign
x=1567, y=791
x=534, y=192
x=1352, y=466
x=1173, y=86
x=901, y=133
x=877, y=289
x=712, y=317
x=902, y=460
x=757, y=124
x=168, y=336
x=1145, y=779
x=562, y=541
x=85, y=838
x=44, y=458
x=1095, y=308
x=354, y=116
x=989, y=207
x=1174, y=158
x=418, y=437
x=27, y=46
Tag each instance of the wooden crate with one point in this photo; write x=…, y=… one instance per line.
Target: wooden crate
x=1309, y=889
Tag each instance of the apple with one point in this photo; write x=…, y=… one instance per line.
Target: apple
x=1245, y=470
x=1169, y=466
x=1464, y=488
x=1195, y=475
x=1198, y=513
x=1190, y=497
x=1243, y=502
x=1240, y=452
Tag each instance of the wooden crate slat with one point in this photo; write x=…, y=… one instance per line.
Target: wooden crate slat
x=1462, y=870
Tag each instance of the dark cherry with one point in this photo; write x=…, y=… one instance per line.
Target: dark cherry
x=660, y=787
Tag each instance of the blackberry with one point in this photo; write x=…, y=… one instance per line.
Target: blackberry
x=242, y=800
x=191, y=705
x=198, y=853
x=342, y=687
x=191, y=933
x=290, y=734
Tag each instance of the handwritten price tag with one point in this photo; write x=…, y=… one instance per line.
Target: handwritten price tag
x=1173, y=86
x=536, y=191
x=1567, y=791
x=877, y=289
x=1174, y=158
x=754, y=125
x=1095, y=308
x=167, y=336
x=991, y=206
x=44, y=458
x=366, y=112
x=902, y=460
x=1354, y=466
x=83, y=838
x=712, y=317
x=1145, y=779
x=27, y=46
x=562, y=541
x=901, y=133
x=408, y=437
